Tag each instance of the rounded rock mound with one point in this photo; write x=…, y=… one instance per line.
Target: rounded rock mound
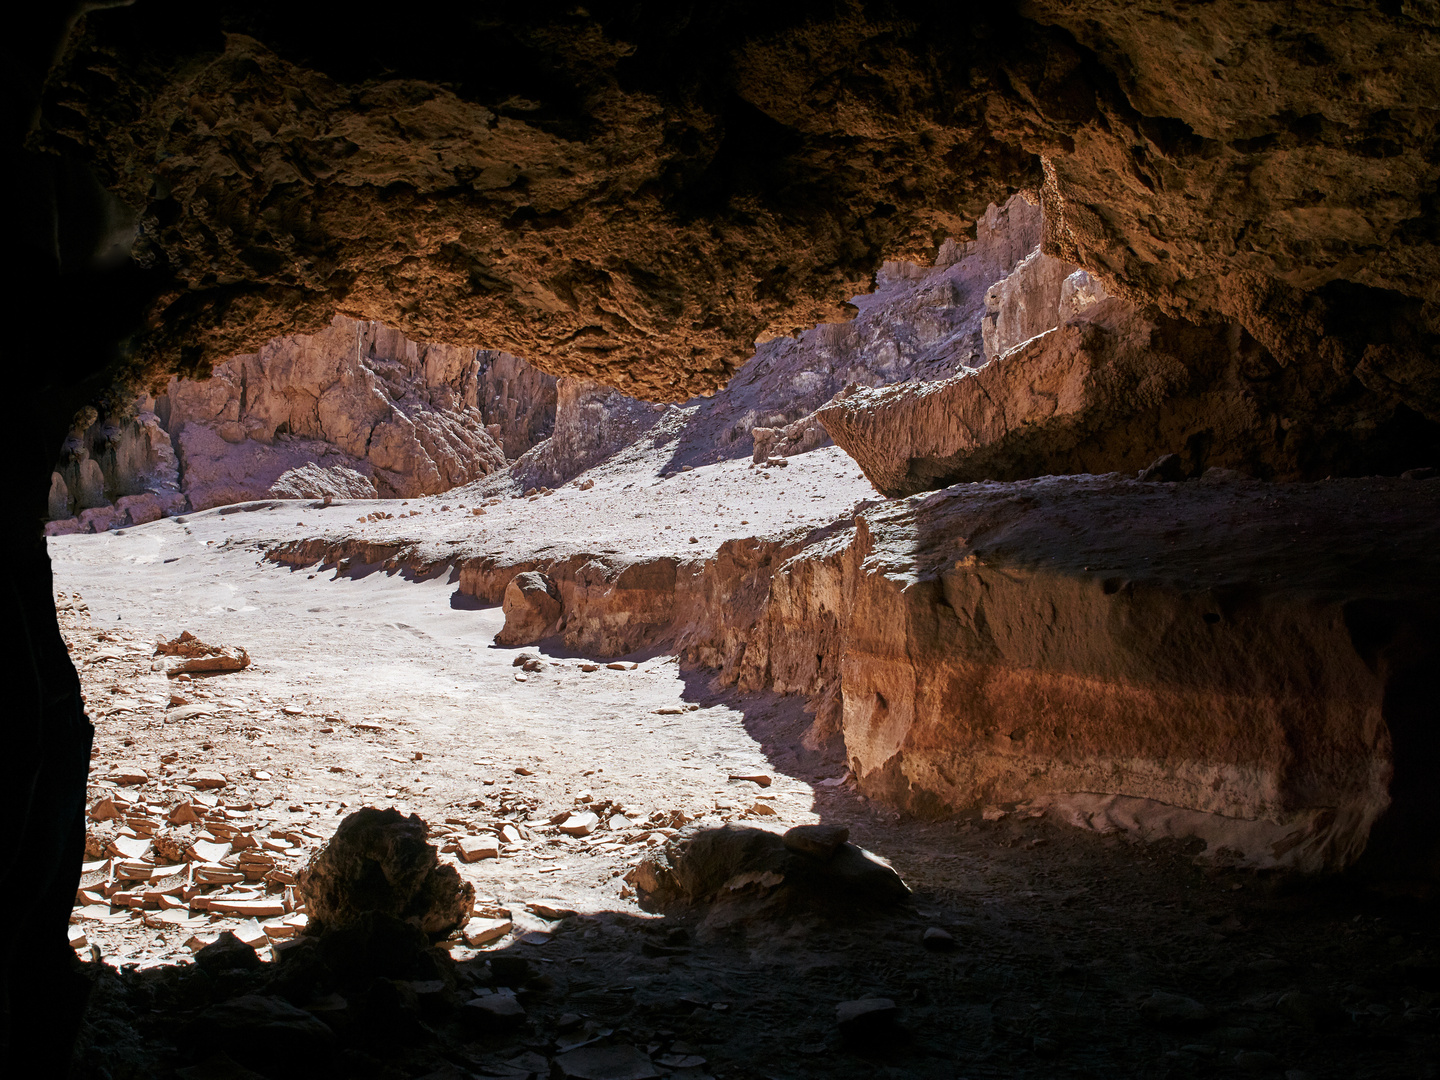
x=532, y=609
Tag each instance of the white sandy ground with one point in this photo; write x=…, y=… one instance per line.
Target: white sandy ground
x=416, y=664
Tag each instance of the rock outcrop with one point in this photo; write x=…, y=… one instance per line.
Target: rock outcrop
x=1104, y=390
x=116, y=471
x=592, y=423
x=1062, y=641
x=357, y=396
x=357, y=411
x=1224, y=658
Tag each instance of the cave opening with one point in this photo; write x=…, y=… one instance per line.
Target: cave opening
x=847, y=566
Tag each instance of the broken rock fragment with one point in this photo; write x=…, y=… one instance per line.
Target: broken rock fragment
x=474, y=848
x=379, y=861
x=191, y=655
x=532, y=609
x=582, y=824
x=737, y=864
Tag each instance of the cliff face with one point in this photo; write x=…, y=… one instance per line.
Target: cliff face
x=357, y=411
x=403, y=416
x=1113, y=388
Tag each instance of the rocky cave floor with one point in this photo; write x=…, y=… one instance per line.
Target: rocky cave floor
x=376, y=688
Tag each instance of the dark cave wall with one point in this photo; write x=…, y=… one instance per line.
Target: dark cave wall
x=635, y=193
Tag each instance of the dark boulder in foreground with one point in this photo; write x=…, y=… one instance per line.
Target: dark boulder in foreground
x=765, y=873
x=380, y=862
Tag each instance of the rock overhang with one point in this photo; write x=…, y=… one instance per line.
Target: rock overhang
x=593, y=205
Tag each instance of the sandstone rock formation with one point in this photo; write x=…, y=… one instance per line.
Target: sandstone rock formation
x=115, y=471
x=532, y=609
x=1107, y=388
x=379, y=863
x=357, y=411
x=357, y=396
x=592, y=422
x=1224, y=658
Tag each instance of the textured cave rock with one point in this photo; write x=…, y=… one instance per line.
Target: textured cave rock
x=578, y=196
x=1234, y=160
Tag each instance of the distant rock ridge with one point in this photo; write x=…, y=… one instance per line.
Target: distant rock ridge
x=355, y=411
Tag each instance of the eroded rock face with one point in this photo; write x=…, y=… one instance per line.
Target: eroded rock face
x=592, y=422
x=1024, y=304
x=356, y=398
x=1048, y=641
x=1107, y=387
x=120, y=470
x=380, y=863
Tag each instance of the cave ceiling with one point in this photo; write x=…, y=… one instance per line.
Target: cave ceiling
x=638, y=192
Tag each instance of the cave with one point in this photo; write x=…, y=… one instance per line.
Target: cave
x=725, y=540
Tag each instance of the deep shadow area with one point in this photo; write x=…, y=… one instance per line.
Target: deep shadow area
x=1060, y=941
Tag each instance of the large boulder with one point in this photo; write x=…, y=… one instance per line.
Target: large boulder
x=379, y=862
x=532, y=609
x=765, y=873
